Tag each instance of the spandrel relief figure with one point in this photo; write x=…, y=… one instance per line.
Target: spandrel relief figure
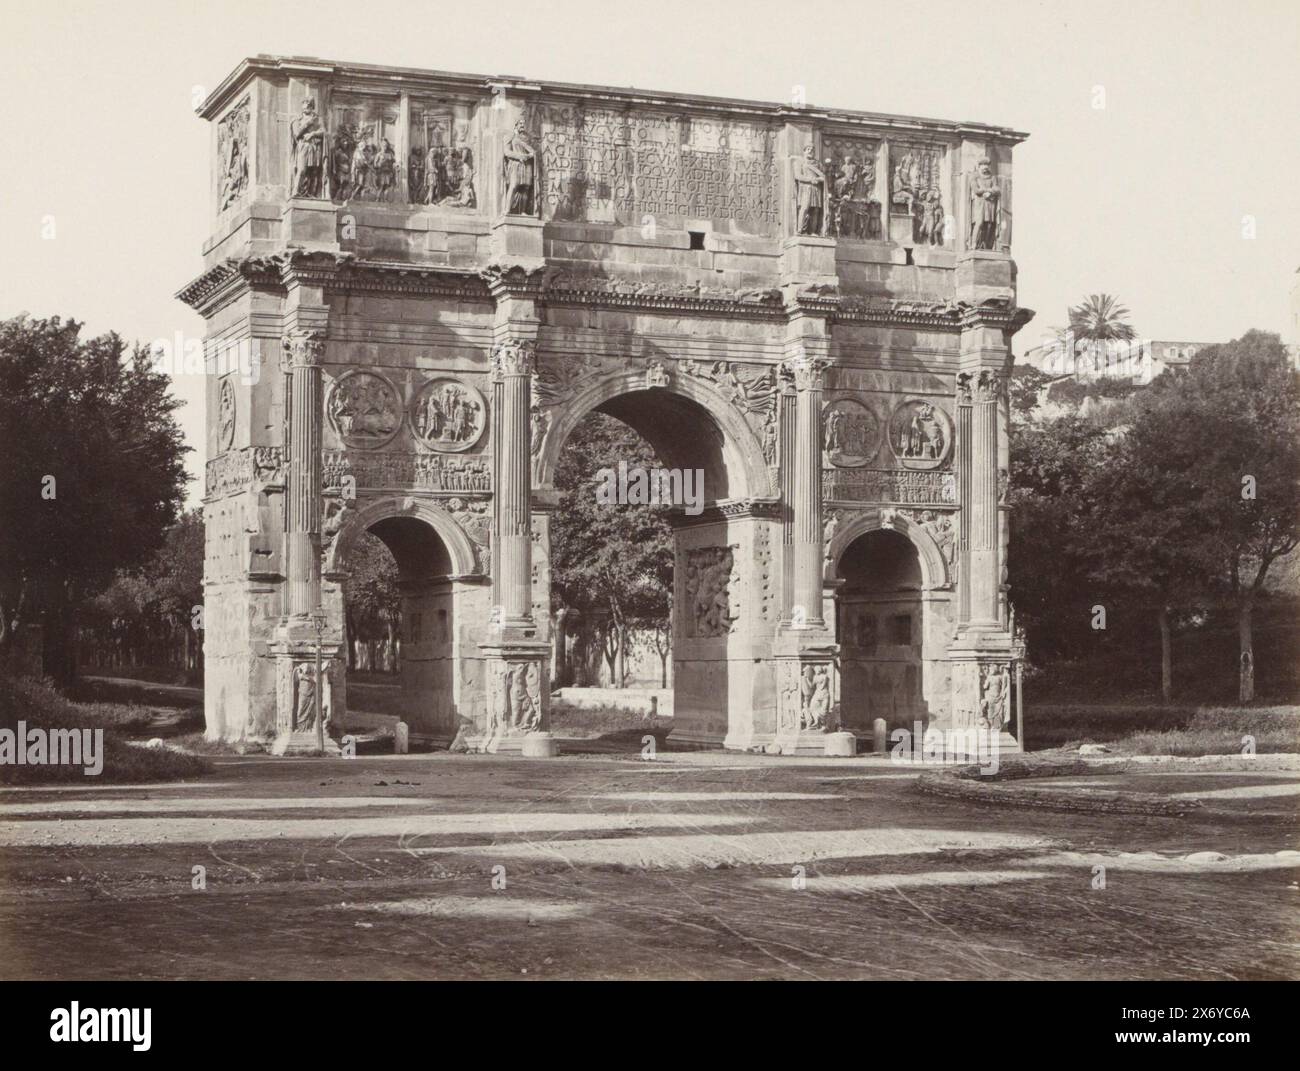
x=519, y=172
x=308, y=139
x=984, y=206
x=810, y=193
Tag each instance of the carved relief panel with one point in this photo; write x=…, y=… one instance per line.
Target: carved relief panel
x=850, y=434
x=442, y=165
x=232, y=155
x=916, y=189
x=855, y=190
x=712, y=591
x=363, y=163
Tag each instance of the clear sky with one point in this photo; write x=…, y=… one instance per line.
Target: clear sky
x=1144, y=197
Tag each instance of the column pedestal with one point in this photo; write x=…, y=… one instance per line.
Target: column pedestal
x=518, y=700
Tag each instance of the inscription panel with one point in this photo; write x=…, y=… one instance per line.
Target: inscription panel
x=605, y=166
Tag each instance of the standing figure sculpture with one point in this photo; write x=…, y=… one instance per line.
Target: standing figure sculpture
x=304, y=707
x=308, y=139
x=519, y=172
x=810, y=193
x=385, y=171
x=415, y=176
x=984, y=198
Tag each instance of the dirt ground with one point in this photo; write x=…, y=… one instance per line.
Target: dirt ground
x=693, y=865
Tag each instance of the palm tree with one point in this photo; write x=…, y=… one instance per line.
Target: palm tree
x=1096, y=326
x=1099, y=318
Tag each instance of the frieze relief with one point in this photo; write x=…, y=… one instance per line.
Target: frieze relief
x=404, y=470
x=712, y=591
x=237, y=469
x=232, y=152
x=890, y=485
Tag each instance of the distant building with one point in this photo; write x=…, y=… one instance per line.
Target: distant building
x=1139, y=360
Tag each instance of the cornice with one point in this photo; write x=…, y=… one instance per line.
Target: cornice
x=417, y=80
x=345, y=273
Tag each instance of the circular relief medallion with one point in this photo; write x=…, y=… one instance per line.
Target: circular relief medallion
x=920, y=434
x=850, y=433
x=364, y=409
x=226, y=416
x=448, y=414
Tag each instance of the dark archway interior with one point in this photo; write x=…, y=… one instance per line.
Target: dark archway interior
x=881, y=561
x=682, y=432
x=415, y=547
x=880, y=629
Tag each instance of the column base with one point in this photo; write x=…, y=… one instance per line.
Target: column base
x=538, y=745
x=304, y=743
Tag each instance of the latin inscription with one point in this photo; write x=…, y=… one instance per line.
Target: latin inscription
x=606, y=166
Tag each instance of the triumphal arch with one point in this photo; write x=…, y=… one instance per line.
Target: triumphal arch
x=435, y=277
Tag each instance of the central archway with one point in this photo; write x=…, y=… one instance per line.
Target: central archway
x=724, y=600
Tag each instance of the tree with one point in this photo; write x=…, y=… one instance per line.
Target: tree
x=1100, y=318
x=1053, y=464
x=148, y=613
x=610, y=559
x=91, y=472
x=1139, y=537
x=374, y=600
x=1024, y=387
x=1225, y=439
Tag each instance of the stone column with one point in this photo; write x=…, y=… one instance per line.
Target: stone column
x=809, y=378
x=963, y=497
x=513, y=364
x=984, y=512
x=304, y=351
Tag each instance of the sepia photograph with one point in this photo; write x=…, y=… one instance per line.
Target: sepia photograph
x=677, y=493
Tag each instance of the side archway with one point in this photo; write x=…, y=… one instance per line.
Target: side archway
x=934, y=567
x=361, y=519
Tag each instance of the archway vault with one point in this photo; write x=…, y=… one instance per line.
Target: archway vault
x=361, y=518
x=934, y=568
x=740, y=470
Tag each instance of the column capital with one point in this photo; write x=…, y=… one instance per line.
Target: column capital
x=805, y=372
x=305, y=349
x=514, y=357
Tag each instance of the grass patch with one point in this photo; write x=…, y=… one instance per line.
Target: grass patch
x=1156, y=729
x=42, y=706
x=599, y=721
